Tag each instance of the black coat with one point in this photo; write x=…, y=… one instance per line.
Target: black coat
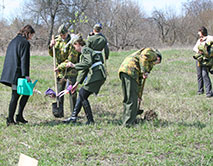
x=17, y=61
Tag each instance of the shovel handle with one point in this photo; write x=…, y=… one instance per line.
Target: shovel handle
x=55, y=75
x=142, y=88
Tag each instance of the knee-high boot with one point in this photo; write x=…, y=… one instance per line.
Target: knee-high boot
x=88, y=112
x=12, y=108
x=22, y=103
x=75, y=112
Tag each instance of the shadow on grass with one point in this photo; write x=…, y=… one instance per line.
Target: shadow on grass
x=165, y=123
x=53, y=123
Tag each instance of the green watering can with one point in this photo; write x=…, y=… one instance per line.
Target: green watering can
x=24, y=87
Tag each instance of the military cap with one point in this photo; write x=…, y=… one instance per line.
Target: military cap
x=97, y=27
x=62, y=29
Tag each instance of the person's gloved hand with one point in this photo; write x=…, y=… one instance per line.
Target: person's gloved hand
x=66, y=91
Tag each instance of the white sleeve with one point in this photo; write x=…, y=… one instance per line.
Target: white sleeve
x=195, y=49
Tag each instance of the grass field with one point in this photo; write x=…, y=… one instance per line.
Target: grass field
x=181, y=135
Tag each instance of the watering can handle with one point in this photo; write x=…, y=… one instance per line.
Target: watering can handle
x=34, y=83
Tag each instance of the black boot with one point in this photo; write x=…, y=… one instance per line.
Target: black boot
x=22, y=103
x=20, y=118
x=10, y=122
x=88, y=112
x=77, y=109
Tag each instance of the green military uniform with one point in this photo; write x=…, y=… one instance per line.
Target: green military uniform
x=93, y=75
x=130, y=73
x=92, y=70
x=98, y=42
x=65, y=52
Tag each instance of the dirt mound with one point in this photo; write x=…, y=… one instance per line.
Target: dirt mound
x=150, y=115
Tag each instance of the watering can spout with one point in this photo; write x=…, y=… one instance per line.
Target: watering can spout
x=35, y=83
x=24, y=87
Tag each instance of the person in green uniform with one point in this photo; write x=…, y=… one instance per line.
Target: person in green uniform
x=97, y=41
x=65, y=53
x=133, y=70
x=91, y=73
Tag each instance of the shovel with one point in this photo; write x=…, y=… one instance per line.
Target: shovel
x=57, y=107
x=139, y=103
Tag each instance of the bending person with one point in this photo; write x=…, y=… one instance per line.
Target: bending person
x=133, y=70
x=92, y=73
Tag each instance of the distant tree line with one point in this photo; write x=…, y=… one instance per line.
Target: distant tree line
x=126, y=25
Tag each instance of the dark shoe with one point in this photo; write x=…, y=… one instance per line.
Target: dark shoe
x=70, y=120
x=200, y=93
x=140, y=112
x=209, y=95
x=20, y=119
x=90, y=122
x=10, y=122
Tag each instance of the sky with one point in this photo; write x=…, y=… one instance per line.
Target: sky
x=13, y=7
x=149, y=5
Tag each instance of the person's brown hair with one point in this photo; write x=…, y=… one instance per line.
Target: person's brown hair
x=80, y=40
x=26, y=30
x=204, y=31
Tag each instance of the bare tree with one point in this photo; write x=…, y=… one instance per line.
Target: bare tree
x=166, y=24
x=55, y=12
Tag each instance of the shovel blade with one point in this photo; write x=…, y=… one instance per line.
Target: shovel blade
x=57, y=110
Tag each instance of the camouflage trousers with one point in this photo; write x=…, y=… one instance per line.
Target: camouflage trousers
x=62, y=84
x=130, y=101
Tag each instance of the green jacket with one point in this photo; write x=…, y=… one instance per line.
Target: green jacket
x=92, y=71
x=65, y=52
x=98, y=42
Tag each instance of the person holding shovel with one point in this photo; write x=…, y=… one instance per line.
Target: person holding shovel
x=64, y=53
x=17, y=65
x=92, y=73
x=133, y=71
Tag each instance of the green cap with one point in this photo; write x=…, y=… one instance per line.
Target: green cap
x=62, y=29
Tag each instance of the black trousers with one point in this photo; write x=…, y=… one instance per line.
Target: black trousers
x=203, y=79
x=13, y=104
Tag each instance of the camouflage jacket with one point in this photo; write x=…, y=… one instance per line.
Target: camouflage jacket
x=205, y=54
x=65, y=52
x=138, y=63
x=98, y=42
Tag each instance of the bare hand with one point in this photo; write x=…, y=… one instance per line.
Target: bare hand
x=145, y=75
x=52, y=43
x=56, y=69
x=70, y=64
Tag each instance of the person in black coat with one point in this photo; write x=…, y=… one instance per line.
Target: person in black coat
x=17, y=65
